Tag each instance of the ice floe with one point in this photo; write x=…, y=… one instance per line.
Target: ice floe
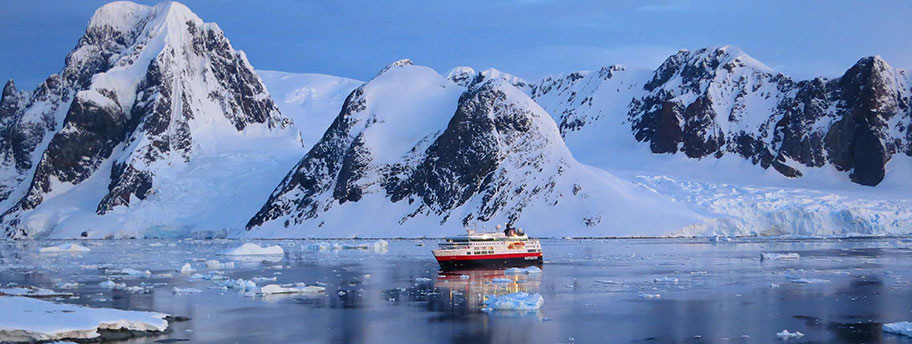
x=131, y=272
x=802, y=280
x=72, y=248
x=650, y=296
x=273, y=289
x=779, y=256
x=903, y=328
x=514, y=301
x=186, y=269
x=30, y=320
x=177, y=290
x=30, y=291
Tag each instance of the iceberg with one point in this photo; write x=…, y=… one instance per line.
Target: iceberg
x=255, y=250
x=786, y=335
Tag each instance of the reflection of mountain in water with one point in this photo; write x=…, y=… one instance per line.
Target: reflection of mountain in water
x=463, y=291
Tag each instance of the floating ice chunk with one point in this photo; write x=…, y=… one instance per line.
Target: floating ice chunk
x=801, y=280
x=422, y=280
x=380, y=246
x=463, y=276
x=265, y=279
x=67, y=285
x=903, y=328
x=30, y=291
x=523, y=271
x=177, y=290
x=786, y=335
x=109, y=284
x=501, y=280
x=666, y=280
x=135, y=273
x=779, y=256
x=607, y=282
x=273, y=289
x=515, y=301
x=255, y=250
x=72, y=248
x=30, y=320
x=317, y=247
x=213, y=264
x=240, y=285
x=138, y=290
x=719, y=238
x=186, y=269
x=650, y=296
x=209, y=276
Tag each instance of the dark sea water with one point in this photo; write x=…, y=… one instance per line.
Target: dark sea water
x=595, y=291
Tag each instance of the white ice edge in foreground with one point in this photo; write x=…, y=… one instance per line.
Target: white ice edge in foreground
x=27, y=319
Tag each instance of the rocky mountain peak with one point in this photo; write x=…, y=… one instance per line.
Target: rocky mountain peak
x=695, y=68
x=399, y=63
x=9, y=89
x=463, y=76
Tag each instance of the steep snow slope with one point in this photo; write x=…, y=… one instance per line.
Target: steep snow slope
x=312, y=101
x=390, y=165
x=164, y=129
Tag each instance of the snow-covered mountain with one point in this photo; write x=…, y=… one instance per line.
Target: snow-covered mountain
x=705, y=127
x=154, y=123
x=156, y=127
x=311, y=100
x=415, y=153
x=714, y=102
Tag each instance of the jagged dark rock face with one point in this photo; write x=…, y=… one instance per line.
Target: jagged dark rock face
x=316, y=172
x=459, y=161
x=845, y=122
x=860, y=141
x=91, y=132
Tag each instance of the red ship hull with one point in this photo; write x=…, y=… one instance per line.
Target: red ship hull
x=491, y=260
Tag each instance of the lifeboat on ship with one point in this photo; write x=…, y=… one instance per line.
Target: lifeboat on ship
x=510, y=248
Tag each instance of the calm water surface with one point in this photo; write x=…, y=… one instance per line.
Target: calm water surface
x=595, y=291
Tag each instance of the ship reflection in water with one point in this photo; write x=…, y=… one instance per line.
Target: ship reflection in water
x=465, y=291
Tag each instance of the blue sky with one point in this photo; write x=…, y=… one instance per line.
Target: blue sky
x=530, y=38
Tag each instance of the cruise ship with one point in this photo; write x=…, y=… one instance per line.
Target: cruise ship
x=510, y=248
